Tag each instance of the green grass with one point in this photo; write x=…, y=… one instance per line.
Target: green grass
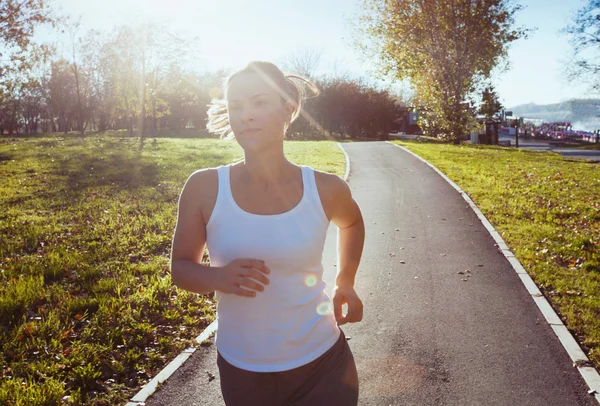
x=87, y=307
x=547, y=209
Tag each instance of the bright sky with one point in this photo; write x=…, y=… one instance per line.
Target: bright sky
x=232, y=32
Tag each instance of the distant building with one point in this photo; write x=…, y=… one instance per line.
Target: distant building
x=407, y=122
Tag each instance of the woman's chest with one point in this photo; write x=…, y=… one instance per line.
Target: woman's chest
x=273, y=200
x=291, y=241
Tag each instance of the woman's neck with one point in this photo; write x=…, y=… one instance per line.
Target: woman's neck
x=266, y=167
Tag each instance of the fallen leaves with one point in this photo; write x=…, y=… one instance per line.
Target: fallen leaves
x=466, y=272
x=582, y=363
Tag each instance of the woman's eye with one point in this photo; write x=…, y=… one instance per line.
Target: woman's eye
x=260, y=103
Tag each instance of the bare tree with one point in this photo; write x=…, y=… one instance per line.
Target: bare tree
x=74, y=50
x=303, y=63
x=585, y=37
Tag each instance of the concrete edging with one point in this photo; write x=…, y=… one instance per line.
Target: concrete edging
x=347, y=161
x=147, y=390
x=590, y=375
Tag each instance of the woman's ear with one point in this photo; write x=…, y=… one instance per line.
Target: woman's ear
x=289, y=111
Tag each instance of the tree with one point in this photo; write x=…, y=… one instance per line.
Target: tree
x=63, y=95
x=18, y=55
x=73, y=29
x=585, y=37
x=303, y=63
x=351, y=107
x=490, y=106
x=445, y=48
x=18, y=21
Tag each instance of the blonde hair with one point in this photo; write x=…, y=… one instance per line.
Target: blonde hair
x=291, y=88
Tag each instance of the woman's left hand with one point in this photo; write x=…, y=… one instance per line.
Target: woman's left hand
x=347, y=295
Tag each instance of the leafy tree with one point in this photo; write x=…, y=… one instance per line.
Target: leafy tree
x=585, y=37
x=18, y=55
x=490, y=106
x=18, y=21
x=445, y=48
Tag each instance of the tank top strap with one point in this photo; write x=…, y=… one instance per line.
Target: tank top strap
x=308, y=180
x=224, y=195
x=312, y=192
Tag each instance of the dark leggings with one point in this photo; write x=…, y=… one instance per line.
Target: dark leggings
x=329, y=380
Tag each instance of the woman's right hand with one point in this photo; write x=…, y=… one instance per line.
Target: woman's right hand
x=242, y=276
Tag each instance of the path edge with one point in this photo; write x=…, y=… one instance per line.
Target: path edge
x=347, y=173
x=148, y=390
x=589, y=374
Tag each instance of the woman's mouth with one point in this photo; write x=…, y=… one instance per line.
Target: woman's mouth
x=248, y=131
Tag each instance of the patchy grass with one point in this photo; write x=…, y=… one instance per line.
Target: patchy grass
x=547, y=209
x=593, y=146
x=87, y=307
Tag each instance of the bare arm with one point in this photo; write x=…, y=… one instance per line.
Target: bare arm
x=351, y=234
x=189, y=241
x=240, y=276
x=345, y=213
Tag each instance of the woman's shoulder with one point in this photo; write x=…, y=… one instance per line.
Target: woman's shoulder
x=202, y=185
x=330, y=187
x=328, y=181
x=204, y=174
x=202, y=178
x=333, y=191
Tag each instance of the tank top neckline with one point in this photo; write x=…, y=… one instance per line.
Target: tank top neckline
x=276, y=215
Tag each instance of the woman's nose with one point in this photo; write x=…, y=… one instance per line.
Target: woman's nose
x=247, y=115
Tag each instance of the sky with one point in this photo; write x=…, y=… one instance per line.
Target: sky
x=233, y=32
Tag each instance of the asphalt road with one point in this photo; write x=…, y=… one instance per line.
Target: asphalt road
x=427, y=337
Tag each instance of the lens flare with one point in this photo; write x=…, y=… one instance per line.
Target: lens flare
x=310, y=281
x=324, y=308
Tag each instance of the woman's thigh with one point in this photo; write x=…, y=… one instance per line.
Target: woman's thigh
x=330, y=380
x=246, y=388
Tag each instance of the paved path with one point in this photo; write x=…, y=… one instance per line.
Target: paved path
x=428, y=337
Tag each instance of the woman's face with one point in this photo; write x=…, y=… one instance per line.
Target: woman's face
x=257, y=114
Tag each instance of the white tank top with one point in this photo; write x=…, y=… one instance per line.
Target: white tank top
x=291, y=322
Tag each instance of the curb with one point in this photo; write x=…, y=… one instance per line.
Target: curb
x=347, y=161
x=147, y=390
x=590, y=374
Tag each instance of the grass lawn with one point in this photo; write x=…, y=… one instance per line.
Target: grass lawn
x=87, y=307
x=547, y=209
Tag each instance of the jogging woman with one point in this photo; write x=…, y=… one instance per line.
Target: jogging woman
x=264, y=221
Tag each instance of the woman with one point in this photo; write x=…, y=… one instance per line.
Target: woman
x=264, y=221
